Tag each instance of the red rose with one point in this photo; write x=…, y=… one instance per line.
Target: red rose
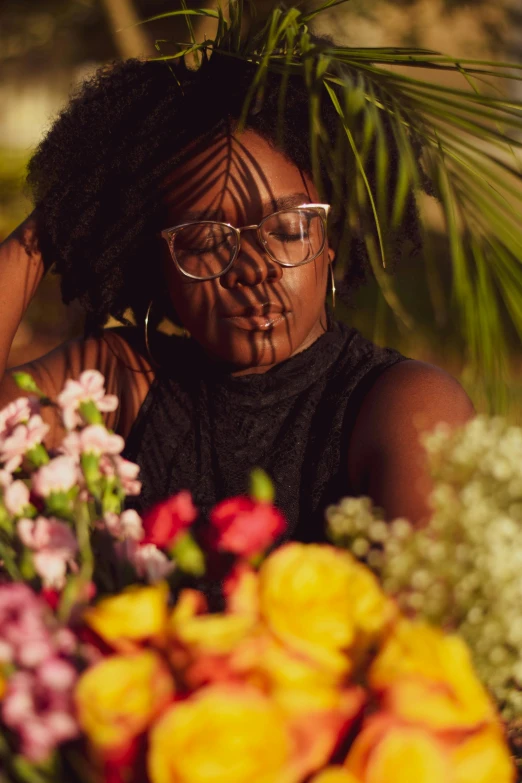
x=166, y=520
x=244, y=526
x=51, y=597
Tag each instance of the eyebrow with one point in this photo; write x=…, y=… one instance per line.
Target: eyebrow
x=267, y=207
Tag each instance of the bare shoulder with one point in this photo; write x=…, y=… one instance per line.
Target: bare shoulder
x=419, y=392
x=386, y=458
x=115, y=354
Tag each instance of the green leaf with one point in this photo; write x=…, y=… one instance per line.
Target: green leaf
x=26, y=383
x=27, y=772
x=261, y=487
x=324, y=7
x=188, y=555
x=210, y=12
x=362, y=171
x=466, y=143
x=7, y=557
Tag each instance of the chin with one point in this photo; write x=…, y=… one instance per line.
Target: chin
x=257, y=350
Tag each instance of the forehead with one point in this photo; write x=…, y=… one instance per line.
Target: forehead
x=237, y=178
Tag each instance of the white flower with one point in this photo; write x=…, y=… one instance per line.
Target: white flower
x=464, y=570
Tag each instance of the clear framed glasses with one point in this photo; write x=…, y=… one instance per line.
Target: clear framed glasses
x=206, y=249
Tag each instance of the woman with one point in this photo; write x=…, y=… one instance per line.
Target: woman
x=150, y=201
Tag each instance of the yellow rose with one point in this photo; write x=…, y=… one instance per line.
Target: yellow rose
x=119, y=697
x=320, y=601
x=216, y=634
x=334, y=774
x=222, y=734
x=241, y=589
x=283, y=667
x=428, y=677
x=388, y=752
x=319, y=719
x=137, y=614
x=484, y=758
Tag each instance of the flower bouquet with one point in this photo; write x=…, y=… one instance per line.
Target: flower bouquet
x=463, y=571
x=119, y=663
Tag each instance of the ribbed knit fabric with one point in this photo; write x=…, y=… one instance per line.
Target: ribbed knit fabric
x=204, y=430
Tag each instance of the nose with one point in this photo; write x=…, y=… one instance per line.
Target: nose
x=252, y=266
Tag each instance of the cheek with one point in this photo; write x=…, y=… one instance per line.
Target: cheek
x=193, y=302
x=306, y=287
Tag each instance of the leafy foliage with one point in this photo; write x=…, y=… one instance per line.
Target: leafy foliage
x=465, y=142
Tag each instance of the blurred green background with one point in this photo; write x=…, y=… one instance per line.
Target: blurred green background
x=47, y=47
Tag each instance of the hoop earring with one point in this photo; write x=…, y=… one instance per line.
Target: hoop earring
x=152, y=360
x=179, y=331
x=332, y=279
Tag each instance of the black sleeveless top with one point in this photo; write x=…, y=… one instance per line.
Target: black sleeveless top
x=203, y=430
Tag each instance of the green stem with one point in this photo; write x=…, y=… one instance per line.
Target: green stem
x=9, y=563
x=77, y=585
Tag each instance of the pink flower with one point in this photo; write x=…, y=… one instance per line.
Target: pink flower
x=54, y=546
x=16, y=412
x=16, y=442
x=56, y=673
x=59, y=475
x=25, y=637
x=5, y=479
x=165, y=521
x=150, y=563
x=16, y=498
x=71, y=446
x=38, y=707
x=94, y=439
x=88, y=388
x=245, y=527
x=125, y=470
x=126, y=525
x=127, y=473
x=65, y=641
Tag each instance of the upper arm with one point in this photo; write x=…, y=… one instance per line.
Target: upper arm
x=126, y=374
x=386, y=459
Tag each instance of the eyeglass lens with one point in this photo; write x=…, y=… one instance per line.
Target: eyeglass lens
x=291, y=237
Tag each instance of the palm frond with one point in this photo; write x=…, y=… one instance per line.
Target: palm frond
x=465, y=141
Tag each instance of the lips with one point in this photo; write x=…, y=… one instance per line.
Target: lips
x=262, y=317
